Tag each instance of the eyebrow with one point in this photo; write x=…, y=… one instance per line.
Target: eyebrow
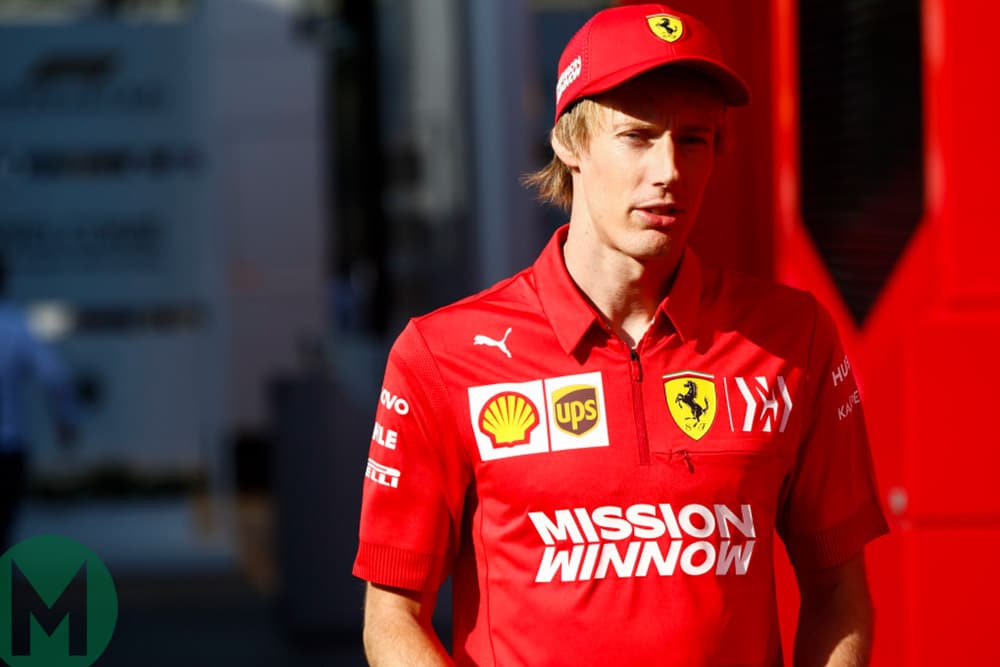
x=633, y=122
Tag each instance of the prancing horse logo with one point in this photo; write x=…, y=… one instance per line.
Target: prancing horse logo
x=666, y=27
x=691, y=400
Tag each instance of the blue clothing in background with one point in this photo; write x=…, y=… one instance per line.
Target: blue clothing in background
x=24, y=357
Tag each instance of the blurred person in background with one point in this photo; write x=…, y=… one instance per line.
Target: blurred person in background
x=600, y=449
x=23, y=357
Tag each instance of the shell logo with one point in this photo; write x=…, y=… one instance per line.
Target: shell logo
x=508, y=419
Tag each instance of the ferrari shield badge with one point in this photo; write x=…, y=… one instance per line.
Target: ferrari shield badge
x=691, y=400
x=666, y=27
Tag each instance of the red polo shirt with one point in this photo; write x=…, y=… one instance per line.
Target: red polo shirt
x=602, y=506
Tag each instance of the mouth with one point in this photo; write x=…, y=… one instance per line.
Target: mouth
x=660, y=215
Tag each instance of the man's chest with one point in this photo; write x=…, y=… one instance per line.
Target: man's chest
x=620, y=415
x=670, y=462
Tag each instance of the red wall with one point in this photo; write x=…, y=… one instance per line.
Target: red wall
x=925, y=357
x=735, y=225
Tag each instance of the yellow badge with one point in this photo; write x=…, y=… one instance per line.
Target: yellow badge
x=666, y=27
x=691, y=400
x=508, y=419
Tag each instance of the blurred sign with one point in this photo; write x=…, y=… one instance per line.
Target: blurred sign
x=107, y=213
x=102, y=170
x=53, y=11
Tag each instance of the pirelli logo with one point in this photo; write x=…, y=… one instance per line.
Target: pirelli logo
x=520, y=418
x=382, y=474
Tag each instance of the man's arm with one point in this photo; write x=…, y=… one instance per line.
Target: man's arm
x=835, y=617
x=398, y=629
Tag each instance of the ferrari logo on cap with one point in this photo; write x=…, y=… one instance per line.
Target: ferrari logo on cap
x=666, y=27
x=691, y=400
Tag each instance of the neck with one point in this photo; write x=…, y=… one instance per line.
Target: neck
x=626, y=291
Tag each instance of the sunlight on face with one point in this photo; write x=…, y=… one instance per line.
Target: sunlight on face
x=640, y=181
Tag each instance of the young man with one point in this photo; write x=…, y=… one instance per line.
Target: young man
x=600, y=449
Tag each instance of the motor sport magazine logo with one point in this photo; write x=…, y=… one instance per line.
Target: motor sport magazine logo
x=644, y=539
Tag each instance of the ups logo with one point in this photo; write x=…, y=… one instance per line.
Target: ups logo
x=575, y=409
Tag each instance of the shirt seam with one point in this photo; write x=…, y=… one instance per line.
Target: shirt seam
x=811, y=380
x=486, y=577
x=447, y=564
x=444, y=387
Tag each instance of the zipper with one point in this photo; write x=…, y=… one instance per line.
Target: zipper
x=638, y=410
x=686, y=455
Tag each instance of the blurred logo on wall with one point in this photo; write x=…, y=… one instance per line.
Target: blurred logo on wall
x=58, y=604
x=80, y=81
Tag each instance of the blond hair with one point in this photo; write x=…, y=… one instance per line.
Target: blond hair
x=554, y=181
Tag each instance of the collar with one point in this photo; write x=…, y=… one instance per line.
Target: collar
x=572, y=316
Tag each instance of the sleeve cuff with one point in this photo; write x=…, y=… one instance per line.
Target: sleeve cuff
x=840, y=543
x=399, y=568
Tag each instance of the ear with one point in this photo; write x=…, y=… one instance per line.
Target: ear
x=565, y=154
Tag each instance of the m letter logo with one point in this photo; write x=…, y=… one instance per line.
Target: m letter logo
x=58, y=605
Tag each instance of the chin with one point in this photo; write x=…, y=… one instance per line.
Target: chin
x=654, y=246
x=652, y=252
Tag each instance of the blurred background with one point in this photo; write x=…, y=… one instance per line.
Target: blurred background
x=219, y=214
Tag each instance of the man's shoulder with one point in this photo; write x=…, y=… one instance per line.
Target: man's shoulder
x=516, y=291
x=775, y=315
x=511, y=302
x=13, y=320
x=742, y=291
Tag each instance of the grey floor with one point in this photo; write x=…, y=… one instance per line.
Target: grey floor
x=214, y=619
x=182, y=598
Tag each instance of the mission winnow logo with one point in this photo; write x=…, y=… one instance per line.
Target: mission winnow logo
x=644, y=539
x=58, y=604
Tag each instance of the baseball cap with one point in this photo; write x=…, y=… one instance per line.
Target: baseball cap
x=620, y=43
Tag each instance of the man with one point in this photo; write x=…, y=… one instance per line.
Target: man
x=600, y=448
x=23, y=357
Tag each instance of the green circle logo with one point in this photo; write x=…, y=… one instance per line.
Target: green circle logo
x=58, y=605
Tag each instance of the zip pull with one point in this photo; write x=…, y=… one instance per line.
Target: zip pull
x=635, y=366
x=687, y=459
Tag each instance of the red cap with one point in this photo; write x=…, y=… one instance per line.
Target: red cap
x=622, y=42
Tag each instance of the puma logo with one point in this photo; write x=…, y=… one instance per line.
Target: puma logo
x=501, y=344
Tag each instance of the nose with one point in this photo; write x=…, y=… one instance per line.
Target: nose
x=663, y=168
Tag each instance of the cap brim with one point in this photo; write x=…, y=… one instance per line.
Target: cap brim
x=735, y=91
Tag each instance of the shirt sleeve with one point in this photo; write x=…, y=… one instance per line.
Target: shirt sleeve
x=416, y=477
x=830, y=508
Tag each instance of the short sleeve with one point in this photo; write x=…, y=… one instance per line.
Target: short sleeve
x=416, y=475
x=830, y=509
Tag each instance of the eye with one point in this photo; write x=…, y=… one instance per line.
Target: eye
x=635, y=135
x=695, y=139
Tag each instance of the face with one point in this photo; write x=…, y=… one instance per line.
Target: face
x=638, y=184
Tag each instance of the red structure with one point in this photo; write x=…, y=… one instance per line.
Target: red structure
x=925, y=355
